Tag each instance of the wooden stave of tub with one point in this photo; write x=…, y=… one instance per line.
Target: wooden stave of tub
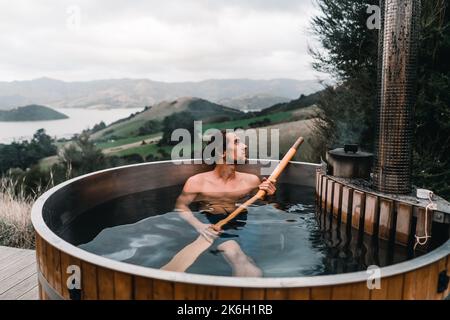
x=376, y=214
x=102, y=278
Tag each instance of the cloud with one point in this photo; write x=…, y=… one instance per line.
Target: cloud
x=176, y=40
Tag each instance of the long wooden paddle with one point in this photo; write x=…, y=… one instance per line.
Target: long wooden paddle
x=187, y=256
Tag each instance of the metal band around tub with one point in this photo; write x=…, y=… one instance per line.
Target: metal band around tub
x=49, y=291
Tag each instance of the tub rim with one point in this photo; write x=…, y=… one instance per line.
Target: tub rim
x=54, y=240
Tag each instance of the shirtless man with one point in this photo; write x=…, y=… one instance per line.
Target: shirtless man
x=220, y=189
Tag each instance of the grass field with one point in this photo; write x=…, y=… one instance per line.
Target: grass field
x=144, y=150
x=275, y=118
x=48, y=162
x=121, y=142
x=15, y=221
x=245, y=123
x=124, y=130
x=290, y=131
x=290, y=124
x=129, y=130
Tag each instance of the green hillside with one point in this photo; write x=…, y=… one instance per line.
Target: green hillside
x=31, y=113
x=199, y=108
x=302, y=102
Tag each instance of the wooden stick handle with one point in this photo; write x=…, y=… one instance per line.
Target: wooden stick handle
x=261, y=193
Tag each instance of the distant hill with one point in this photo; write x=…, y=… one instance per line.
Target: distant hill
x=199, y=108
x=126, y=93
x=302, y=102
x=31, y=113
x=253, y=103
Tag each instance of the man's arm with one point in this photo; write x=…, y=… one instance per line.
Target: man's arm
x=189, y=193
x=268, y=186
x=265, y=185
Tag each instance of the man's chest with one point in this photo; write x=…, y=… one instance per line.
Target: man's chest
x=231, y=190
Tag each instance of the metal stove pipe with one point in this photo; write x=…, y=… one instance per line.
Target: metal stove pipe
x=397, y=77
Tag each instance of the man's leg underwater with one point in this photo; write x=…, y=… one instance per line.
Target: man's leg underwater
x=242, y=265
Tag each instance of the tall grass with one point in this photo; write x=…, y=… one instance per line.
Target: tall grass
x=16, y=229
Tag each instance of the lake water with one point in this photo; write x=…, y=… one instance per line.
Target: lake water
x=79, y=119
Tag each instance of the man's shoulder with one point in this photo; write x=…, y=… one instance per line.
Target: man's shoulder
x=193, y=184
x=249, y=177
x=198, y=178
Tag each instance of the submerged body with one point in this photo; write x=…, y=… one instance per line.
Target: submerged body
x=285, y=240
x=218, y=191
x=268, y=241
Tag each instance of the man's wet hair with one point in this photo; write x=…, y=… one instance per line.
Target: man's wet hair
x=223, y=135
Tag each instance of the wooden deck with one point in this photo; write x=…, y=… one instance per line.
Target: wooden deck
x=18, y=274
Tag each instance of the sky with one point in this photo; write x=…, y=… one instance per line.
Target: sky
x=164, y=40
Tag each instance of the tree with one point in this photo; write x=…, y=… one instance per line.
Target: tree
x=82, y=156
x=98, y=127
x=432, y=131
x=44, y=143
x=180, y=120
x=25, y=154
x=149, y=127
x=350, y=54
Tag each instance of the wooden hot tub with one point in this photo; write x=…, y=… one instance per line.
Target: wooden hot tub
x=102, y=278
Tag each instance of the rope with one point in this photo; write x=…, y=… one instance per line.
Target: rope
x=422, y=240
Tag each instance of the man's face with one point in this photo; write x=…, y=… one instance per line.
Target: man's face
x=236, y=149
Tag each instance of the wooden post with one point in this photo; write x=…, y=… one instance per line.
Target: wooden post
x=123, y=286
x=329, y=208
x=318, y=179
x=371, y=214
x=163, y=290
x=330, y=190
x=403, y=225
x=386, y=221
x=105, y=281
x=358, y=208
x=319, y=195
x=89, y=280
x=347, y=200
x=337, y=200
x=323, y=193
x=143, y=288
